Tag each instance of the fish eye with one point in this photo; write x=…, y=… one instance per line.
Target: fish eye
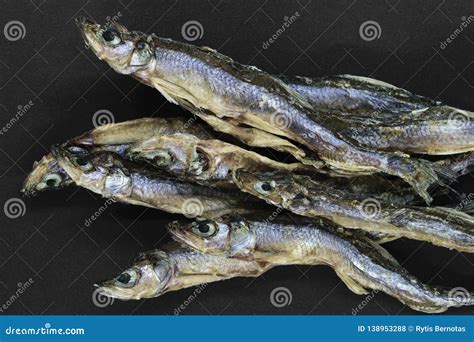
x=111, y=36
x=83, y=163
x=163, y=158
x=265, y=188
x=142, y=54
x=204, y=229
x=52, y=180
x=141, y=45
x=127, y=279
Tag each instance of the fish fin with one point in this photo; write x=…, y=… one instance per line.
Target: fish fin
x=420, y=174
x=352, y=284
x=300, y=98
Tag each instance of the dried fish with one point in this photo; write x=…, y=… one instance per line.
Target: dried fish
x=204, y=79
x=109, y=175
x=173, y=268
x=48, y=175
x=301, y=195
x=360, y=263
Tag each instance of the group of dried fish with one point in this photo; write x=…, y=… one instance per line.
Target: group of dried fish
x=348, y=139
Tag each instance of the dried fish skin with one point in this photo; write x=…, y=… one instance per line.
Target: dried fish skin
x=208, y=162
x=109, y=175
x=303, y=196
x=48, y=175
x=440, y=130
x=173, y=268
x=203, y=78
x=359, y=262
x=358, y=96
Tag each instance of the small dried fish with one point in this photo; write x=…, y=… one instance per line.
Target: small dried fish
x=48, y=175
x=359, y=262
x=301, y=195
x=204, y=79
x=208, y=162
x=173, y=268
x=109, y=175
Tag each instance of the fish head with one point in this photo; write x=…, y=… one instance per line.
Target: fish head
x=97, y=171
x=226, y=236
x=148, y=277
x=126, y=52
x=46, y=175
x=175, y=153
x=274, y=187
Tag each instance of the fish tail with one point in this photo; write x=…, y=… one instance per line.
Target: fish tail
x=421, y=175
x=443, y=299
x=377, y=269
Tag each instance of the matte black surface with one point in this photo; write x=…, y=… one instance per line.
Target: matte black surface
x=68, y=84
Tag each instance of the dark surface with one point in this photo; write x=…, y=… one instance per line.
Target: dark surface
x=68, y=84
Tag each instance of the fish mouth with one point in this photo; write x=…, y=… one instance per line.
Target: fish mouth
x=105, y=289
x=89, y=29
x=35, y=177
x=178, y=232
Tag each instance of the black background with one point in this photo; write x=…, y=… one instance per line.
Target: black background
x=68, y=84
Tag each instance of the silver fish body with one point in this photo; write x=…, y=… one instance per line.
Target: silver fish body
x=109, y=175
x=173, y=268
x=301, y=195
x=205, y=79
x=360, y=263
x=48, y=175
